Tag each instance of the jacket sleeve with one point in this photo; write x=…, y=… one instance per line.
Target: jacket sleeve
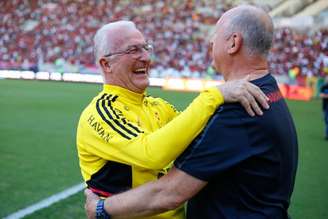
x=151, y=150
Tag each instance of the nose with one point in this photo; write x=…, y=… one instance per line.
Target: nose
x=210, y=48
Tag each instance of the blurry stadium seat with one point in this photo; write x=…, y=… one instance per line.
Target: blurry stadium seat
x=57, y=36
x=314, y=9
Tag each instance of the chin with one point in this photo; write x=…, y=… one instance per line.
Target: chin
x=142, y=85
x=145, y=85
x=216, y=67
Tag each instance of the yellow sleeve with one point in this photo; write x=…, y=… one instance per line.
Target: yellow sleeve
x=169, y=110
x=152, y=150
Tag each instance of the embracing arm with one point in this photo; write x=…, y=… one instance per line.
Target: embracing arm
x=151, y=149
x=155, y=150
x=167, y=193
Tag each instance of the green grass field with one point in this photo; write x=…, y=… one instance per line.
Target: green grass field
x=38, y=155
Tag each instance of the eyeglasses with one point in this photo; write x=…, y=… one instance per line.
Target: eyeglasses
x=133, y=50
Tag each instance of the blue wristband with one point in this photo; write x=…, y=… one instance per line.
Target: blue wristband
x=100, y=210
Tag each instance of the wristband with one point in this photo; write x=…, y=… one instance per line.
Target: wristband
x=100, y=210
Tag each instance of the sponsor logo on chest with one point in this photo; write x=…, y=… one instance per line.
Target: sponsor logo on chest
x=98, y=128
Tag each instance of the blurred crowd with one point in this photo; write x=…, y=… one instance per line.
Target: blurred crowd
x=299, y=54
x=39, y=32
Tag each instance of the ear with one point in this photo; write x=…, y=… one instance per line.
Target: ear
x=105, y=65
x=235, y=42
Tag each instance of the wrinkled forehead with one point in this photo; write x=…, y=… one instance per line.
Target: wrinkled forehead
x=127, y=37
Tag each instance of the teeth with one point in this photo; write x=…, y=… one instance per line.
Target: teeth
x=140, y=70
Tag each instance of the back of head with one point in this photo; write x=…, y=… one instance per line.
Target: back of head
x=256, y=28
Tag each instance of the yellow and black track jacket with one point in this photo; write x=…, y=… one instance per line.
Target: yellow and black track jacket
x=126, y=139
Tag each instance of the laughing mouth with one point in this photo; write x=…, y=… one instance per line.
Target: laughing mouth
x=140, y=71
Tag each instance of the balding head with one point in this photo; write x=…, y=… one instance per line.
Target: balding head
x=255, y=26
x=110, y=36
x=241, y=42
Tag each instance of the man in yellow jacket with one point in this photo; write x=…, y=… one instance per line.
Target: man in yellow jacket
x=126, y=138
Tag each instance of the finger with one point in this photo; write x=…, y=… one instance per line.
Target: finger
x=87, y=192
x=247, y=106
x=247, y=78
x=254, y=105
x=258, y=95
x=90, y=195
x=261, y=92
x=90, y=203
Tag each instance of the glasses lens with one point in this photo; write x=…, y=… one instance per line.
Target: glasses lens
x=148, y=47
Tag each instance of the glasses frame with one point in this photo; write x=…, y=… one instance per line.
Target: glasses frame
x=129, y=51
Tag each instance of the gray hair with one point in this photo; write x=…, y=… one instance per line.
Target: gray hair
x=102, y=43
x=257, y=34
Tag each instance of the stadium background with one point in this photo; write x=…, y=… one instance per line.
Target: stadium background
x=38, y=117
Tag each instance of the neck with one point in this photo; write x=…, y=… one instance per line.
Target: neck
x=255, y=68
x=252, y=73
x=124, y=86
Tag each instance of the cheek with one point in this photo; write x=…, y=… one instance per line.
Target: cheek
x=216, y=56
x=216, y=52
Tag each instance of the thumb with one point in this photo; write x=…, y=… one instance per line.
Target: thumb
x=90, y=195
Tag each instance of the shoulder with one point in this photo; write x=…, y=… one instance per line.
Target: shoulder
x=155, y=100
x=103, y=107
x=160, y=103
x=230, y=111
x=267, y=84
x=103, y=96
x=91, y=106
x=231, y=123
x=227, y=123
